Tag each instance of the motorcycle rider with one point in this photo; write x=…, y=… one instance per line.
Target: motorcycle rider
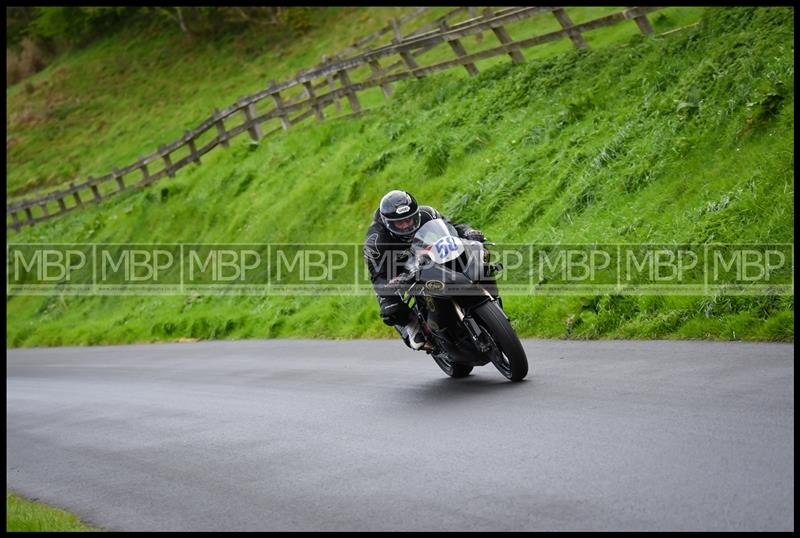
x=387, y=244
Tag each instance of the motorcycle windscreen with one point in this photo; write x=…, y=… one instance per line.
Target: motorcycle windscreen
x=438, y=240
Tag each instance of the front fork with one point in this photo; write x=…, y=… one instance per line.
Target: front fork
x=473, y=329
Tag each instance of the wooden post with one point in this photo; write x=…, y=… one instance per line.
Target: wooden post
x=376, y=70
x=222, y=135
x=331, y=83
x=61, y=205
x=17, y=224
x=396, y=27
x=410, y=62
x=250, y=119
x=95, y=192
x=167, y=161
x=459, y=49
x=504, y=38
x=567, y=24
x=192, y=147
x=644, y=24
x=145, y=173
x=43, y=205
x=279, y=106
x=30, y=215
x=76, y=195
x=473, y=13
x=351, y=96
x=118, y=178
x=407, y=57
x=314, y=103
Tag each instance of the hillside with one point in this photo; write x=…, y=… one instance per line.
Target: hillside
x=109, y=103
x=682, y=139
x=104, y=105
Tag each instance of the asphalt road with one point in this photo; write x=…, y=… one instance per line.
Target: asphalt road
x=368, y=435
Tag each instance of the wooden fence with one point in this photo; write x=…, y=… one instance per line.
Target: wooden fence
x=312, y=90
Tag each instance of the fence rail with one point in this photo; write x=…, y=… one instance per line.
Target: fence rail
x=323, y=85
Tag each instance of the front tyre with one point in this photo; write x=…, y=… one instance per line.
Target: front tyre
x=508, y=356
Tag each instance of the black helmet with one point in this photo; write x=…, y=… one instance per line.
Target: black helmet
x=400, y=214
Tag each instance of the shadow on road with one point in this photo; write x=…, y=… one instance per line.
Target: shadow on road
x=446, y=389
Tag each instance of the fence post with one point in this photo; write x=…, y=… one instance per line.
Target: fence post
x=95, y=192
x=43, y=205
x=279, y=106
x=331, y=83
x=30, y=215
x=167, y=161
x=145, y=172
x=396, y=27
x=222, y=135
x=249, y=117
x=644, y=24
x=504, y=38
x=313, y=100
x=187, y=136
x=407, y=57
x=410, y=62
x=351, y=96
x=459, y=49
x=473, y=13
x=118, y=178
x=567, y=24
x=376, y=70
x=16, y=224
x=61, y=206
x=76, y=195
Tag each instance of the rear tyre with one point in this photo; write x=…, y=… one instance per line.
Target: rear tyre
x=449, y=367
x=508, y=356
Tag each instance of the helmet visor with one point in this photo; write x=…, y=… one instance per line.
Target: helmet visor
x=405, y=226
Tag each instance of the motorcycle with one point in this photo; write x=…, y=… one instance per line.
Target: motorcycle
x=449, y=285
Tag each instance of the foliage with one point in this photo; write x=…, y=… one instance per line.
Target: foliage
x=79, y=25
x=60, y=28
x=18, y=21
x=75, y=24
x=30, y=59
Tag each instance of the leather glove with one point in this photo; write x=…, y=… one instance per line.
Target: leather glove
x=475, y=235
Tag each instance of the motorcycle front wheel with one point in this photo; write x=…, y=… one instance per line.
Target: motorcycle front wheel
x=508, y=355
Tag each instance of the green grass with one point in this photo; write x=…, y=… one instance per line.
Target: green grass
x=23, y=515
x=105, y=105
x=683, y=139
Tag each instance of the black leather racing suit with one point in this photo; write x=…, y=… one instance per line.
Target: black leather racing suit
x=385, y=255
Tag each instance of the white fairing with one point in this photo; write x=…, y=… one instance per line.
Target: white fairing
x=438, y=240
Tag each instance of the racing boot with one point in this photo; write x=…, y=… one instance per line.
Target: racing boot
x=412, y=334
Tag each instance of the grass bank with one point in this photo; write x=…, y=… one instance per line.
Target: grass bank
x=23, y=515
x=683, y=139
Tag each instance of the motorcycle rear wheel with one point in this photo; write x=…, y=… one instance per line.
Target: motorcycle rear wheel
x=509, y=356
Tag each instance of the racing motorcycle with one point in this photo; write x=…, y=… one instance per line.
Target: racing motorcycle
x=449, y=285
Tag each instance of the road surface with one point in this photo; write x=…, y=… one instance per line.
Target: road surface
x=368, y=435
